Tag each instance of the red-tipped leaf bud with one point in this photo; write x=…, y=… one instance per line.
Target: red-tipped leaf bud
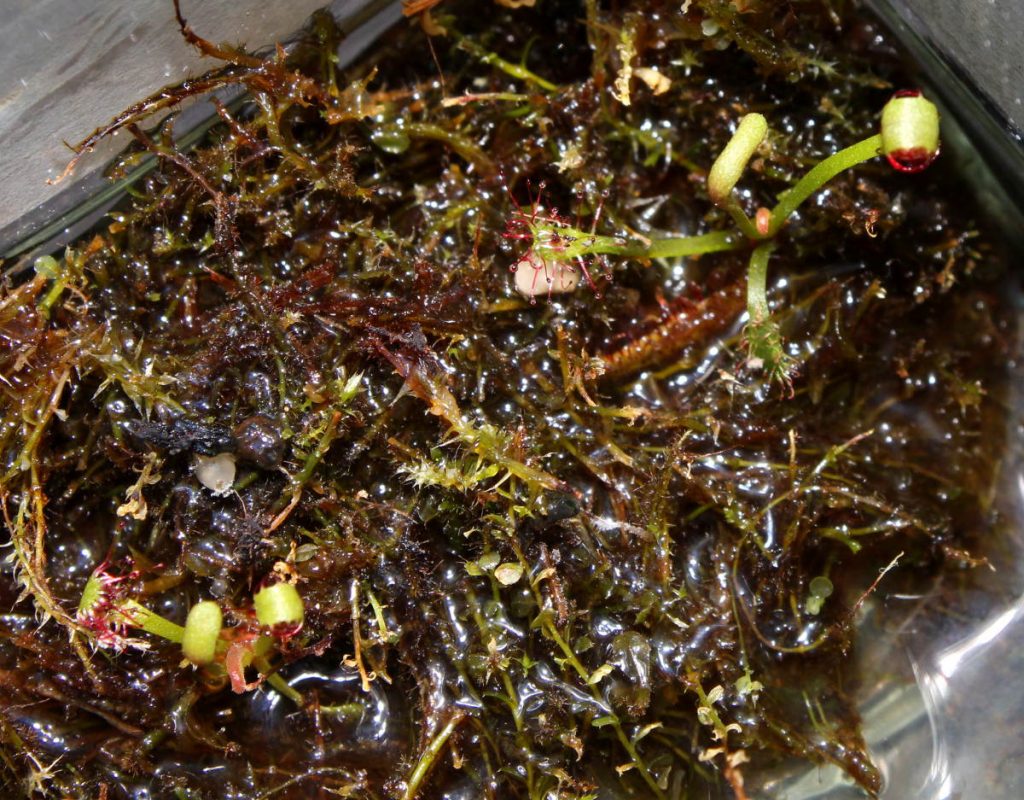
x=910, y=131
x=280, y=608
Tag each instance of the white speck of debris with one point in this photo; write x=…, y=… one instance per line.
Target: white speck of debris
x=508, y=574
x=216, y=473
x=655, y=80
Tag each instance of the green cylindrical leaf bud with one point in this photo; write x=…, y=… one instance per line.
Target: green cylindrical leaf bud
x=910, y=131
x=729, y=166
x=202, y=631
x=92, y=595
x=280, y=608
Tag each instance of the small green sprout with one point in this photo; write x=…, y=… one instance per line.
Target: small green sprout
x=732, y=161
x=280, y=608
x=202, y=632
x=746, y=684
x=910, y=131
x=106, y=612
x=819, y=590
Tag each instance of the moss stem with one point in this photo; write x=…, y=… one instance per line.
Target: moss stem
x=430, y=756
x=513, y=70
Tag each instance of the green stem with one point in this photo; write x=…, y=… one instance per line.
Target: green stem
x=616, y=723
x=462, y=145
x=739, y=216
x=558, y=242
x=280, y=684
x=821, y=174
x=757, y=283
x=347, y=712
x=299, y=480
x=720, y=729
x=764, y=339
x=512, y=699
x=548, y=627
x=52, y=296
x=429, y=756
x=680, y=246
x=513, y=70
x=141, y=617
x=386, y=636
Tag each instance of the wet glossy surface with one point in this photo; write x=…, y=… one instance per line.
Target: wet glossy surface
x=524, y=572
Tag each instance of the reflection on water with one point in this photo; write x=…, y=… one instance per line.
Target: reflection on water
x=276, y=721
x=944, y=688
x=972, y=690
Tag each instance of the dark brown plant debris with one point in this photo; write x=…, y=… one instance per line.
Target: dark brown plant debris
x=532, y=571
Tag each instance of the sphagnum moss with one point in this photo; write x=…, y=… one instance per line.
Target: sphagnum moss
x=485, y=547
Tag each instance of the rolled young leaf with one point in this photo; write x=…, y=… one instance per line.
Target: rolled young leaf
x=910, y=131
x=279, y=605
x=202, y=631
x=729, y=166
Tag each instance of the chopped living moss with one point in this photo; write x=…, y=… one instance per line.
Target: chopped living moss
x=573, y=548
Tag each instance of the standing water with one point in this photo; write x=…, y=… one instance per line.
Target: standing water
x=559, y=402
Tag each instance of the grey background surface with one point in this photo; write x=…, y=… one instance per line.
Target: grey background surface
x=68, y=66
x=983, y=38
